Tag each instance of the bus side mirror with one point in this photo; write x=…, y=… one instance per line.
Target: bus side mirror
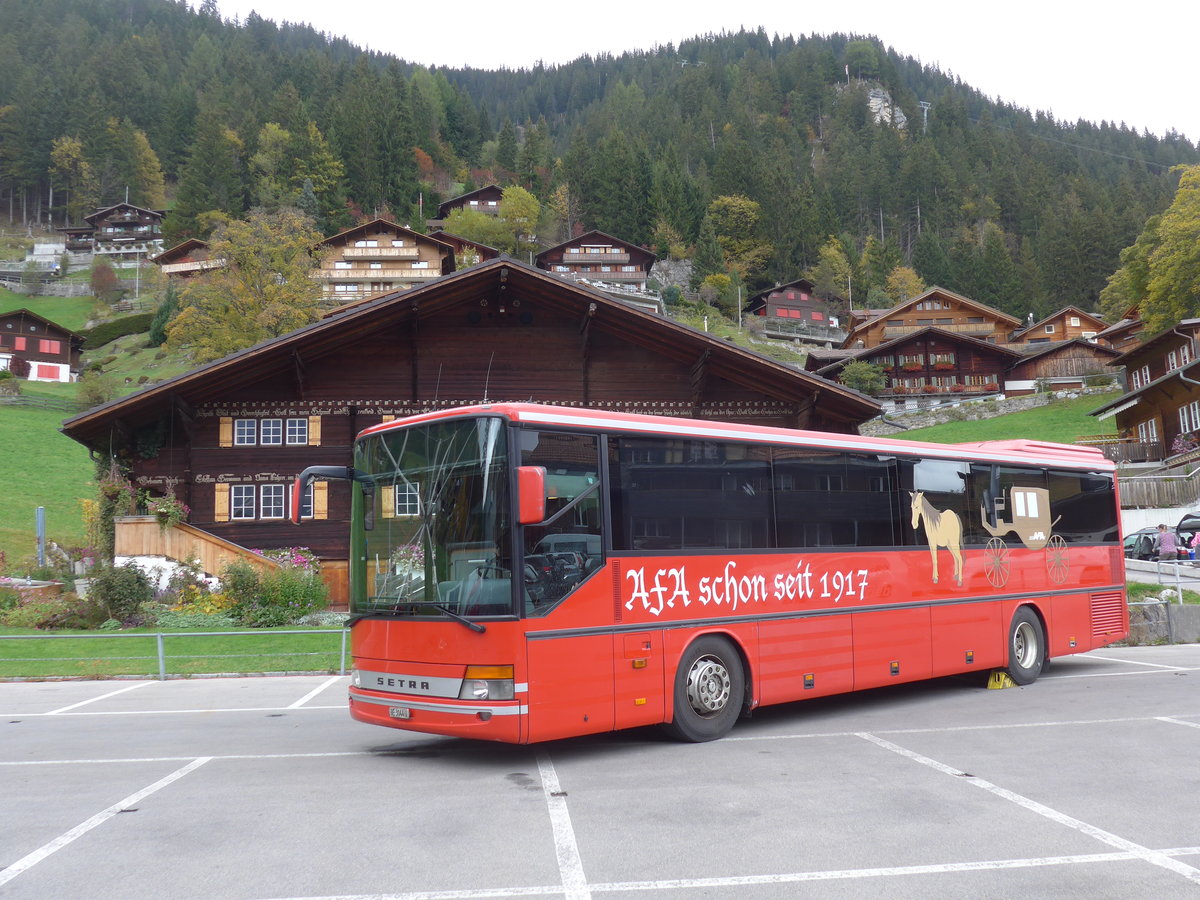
x=297, y=495
x=531, y=494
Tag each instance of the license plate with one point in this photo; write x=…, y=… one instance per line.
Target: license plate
x=399, y=712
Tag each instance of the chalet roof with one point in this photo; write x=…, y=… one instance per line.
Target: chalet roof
x=179, y=251
x=1125, y=325
x=760, y=298
x=450, y=238
x=596, y=237
x=101, y=212
x=29, y=314
x=1162, y=337
x=1074, y=310
x=936, y=291
x=287, y=353
x=866, y=314
x=377, y=224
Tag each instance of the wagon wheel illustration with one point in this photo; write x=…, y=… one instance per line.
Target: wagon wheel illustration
x=996, y=564
x=1057, y=561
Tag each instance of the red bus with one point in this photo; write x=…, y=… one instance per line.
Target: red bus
x=521, y=572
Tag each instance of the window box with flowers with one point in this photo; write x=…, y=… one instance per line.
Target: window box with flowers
x=930, y=389
x=169, y=510
x=912, y=367
x=943, y=367
x=958, y=388
x=992, y=386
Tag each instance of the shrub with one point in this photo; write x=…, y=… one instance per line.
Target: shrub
x=63, y=611
x=109, y=331
x=122, y=590
x=278, y=597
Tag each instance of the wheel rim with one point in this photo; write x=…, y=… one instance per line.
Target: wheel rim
x=1025, y=645
x=709, y=685
x=996, y=562
x=1056, y=559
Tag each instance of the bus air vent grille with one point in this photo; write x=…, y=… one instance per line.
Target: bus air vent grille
x=1108, y=613
x=616, y=586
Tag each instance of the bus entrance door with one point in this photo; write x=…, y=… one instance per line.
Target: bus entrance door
x=638, y=679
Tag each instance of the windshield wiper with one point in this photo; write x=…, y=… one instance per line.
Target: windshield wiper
x=474, y=626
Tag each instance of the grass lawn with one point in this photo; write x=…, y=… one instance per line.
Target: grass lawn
x=98, y=654
x=72, y=313
x=39, y=467
x=1061, y=421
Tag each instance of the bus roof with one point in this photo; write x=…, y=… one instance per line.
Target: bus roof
x=1018, y=451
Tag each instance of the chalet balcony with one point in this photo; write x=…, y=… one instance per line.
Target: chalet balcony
x=192, y=266
x=571, y=258
x=381, y=253
x=481, y=208
x=79, y=245
x=974, y=330
x=389, y=274
x=1125, y=450
x=603, y=276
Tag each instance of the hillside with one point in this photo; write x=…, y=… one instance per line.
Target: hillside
x=1016, y=210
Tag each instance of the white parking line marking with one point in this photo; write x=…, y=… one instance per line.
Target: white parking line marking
x=1175, y=721
x=1154, y=857
x=570, y=866
x=168, y=712
x=132, y=687
x=32, y=859
x=1132, y=662
x=751, y=880
x=299, y=703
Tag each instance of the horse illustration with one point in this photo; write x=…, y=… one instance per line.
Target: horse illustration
x=942, y=529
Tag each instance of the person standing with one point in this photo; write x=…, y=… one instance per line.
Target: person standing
x=1165, y=543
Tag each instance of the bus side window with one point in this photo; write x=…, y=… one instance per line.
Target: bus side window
x=563, y=553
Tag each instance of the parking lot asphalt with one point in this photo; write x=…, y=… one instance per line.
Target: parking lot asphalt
x=1084, y=784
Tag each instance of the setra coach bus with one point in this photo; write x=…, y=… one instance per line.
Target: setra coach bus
x=522, y=572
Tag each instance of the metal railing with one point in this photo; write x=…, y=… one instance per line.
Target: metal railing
x=161, y=655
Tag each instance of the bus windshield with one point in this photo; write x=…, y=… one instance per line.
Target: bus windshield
x=435, y=529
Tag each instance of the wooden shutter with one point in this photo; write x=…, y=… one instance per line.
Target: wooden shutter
x=320, y=499
x=314, y=431
x=225, y=438
x=221, y=505
x=389, y=502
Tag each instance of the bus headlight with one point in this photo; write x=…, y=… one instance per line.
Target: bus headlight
x=487, y=683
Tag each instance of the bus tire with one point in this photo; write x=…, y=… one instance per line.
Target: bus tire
x=710, y=688
x=1026, y=646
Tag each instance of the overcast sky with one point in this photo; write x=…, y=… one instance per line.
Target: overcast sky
x=1094, y=61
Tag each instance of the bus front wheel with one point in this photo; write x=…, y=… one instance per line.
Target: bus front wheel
x=1026, y=646
x=710, y=686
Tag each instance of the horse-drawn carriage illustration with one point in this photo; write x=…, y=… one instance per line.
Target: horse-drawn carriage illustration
x=1031, y=522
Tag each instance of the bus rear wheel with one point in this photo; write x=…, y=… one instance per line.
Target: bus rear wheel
x=1026, y=646
x=710, y=687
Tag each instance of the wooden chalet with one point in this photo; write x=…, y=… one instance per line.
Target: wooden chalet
x=1059, y=366
x=793, y=311
x=227, y=438
x=597, y=257
x=37, y=348
x=1068, y=324
x=1160, y=410
x=187, y=259
x=380, y=256
x=927, y=362
x=484, y=200
x=936, y=307
x=1124, y=334
x=119, y=230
